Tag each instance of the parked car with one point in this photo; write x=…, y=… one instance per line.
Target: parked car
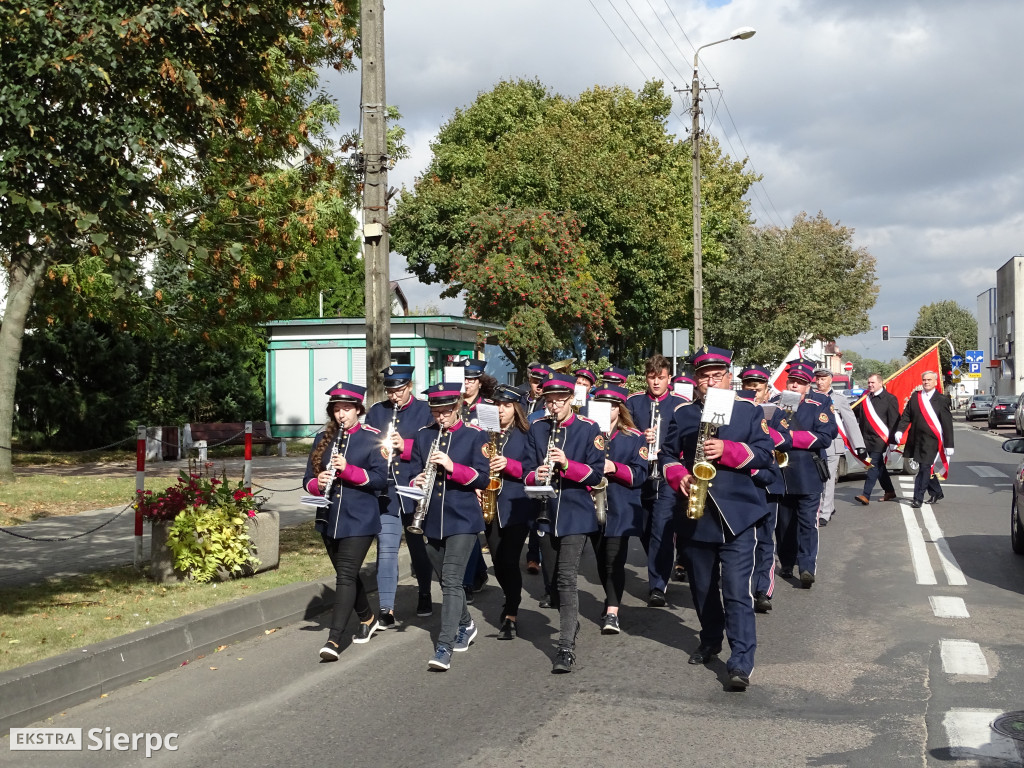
x=1016, y=445
x=1018, y=417
x=979, y=406
x=895, y=462
x=1003, y=412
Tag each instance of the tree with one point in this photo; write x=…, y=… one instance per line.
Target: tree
x=944, y=319
x=529, y=270
x=604, y=159
x=106, y=114
x=779, y=283
x=865, y=366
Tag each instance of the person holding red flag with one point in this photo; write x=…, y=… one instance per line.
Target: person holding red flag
x=930, y=439
x=878, y=412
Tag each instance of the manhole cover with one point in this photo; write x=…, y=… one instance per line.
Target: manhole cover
x=1011, y=724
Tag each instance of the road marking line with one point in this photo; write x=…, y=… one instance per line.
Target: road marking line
x=948, y=607
x=918, y=549
x=962, y=657
x=969, y=733
x=983, y=471
x=950, y=566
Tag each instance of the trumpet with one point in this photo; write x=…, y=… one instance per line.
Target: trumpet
x=655, y=471
x=429, y=476
x=489, y=499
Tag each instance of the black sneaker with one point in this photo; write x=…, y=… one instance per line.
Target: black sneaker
x=679, y=573
x=330, y=651
x=786, y=573
x=424, y=606
x=386, y=620
x=365, y=631
x=656, y=599
x=508, y=630
x=737, y=680
x=610, y=624
x=564, y=660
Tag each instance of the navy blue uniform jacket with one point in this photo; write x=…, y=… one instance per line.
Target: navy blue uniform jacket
x=639, y=407
x=454, y=507
x=409, y=420
x=572, y=511
x=514, y=506
x=628, y=449
x=734, y=502
x=813, y=428
x=354, y=509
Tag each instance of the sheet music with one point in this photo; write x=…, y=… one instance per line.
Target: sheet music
x=315, y=501
x=718, y=405
x=411, y=491
x=539, y=491
x=487, y=417
x=789, y=401
x=769, y=409
x=683, y=388
x=455, y=374
x=579, y=398
x=601, y=412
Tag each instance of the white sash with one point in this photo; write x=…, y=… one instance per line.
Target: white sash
x=936, y=427
x=846, y=439
x=876, y=423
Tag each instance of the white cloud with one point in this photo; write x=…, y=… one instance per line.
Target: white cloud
x=899, y=119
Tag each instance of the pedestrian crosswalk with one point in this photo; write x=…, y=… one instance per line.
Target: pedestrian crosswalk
x=968, y=732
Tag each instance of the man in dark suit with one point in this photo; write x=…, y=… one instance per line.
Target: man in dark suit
x=930, y=440
x=877, y=415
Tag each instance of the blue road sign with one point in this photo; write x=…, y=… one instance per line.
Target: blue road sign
x=956, y=361
x=975, y=359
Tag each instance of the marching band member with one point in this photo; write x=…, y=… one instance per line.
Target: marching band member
x=533, y=401
x=515, y=509
x=399, y=418
x=648, y=410
x=813, y=429
x=719, y=546
x=625, y=467
x=615, y=375
x=454, y=451
x=683, y=386
x=477, y=388
x=585, y=378
x=346, y=466
x=568, y=451
x=754, y=381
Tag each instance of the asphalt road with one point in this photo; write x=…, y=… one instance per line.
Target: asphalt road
x=868, y=668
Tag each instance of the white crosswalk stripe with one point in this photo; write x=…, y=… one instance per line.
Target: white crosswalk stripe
x=944, y=607
x=963, y=657
x=950, y=566
x=970, y=735
x=983, y=471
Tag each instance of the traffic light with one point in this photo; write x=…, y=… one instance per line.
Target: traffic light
x=885, y=333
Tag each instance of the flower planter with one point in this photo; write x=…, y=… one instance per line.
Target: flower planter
x=264, y=529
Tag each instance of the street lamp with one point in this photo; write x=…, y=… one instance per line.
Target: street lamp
x=743, y=33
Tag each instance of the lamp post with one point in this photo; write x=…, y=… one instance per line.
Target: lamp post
x=743, y=33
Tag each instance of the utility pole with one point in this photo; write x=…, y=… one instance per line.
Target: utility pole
x=376, y=245
x=698, y=267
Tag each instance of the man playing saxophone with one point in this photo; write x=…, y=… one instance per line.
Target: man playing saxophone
x=453, y=520
x=719, y=545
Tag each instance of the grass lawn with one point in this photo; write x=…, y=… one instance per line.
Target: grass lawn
x=62, y=614
x=33, y=497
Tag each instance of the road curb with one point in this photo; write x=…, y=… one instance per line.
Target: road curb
x=43, y=688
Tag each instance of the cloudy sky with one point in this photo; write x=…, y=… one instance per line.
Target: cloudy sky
x=902, y=120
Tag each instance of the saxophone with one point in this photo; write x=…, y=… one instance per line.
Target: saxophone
x=599, y=493
x=489, y=499
x=703, y=471
x=429, y=476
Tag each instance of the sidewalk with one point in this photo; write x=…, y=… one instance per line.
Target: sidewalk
x=43, y=688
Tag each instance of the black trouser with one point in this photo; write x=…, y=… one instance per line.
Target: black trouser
x=347, y=556
x=505, y=555
x=568, y=551
x=925, y=480
x=449, y=557
x=611, y=566
x=878, y=471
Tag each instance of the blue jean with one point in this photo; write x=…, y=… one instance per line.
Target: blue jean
x=449, y=557
x=388, y=541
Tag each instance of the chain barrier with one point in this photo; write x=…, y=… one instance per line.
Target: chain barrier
x=71, y=453
x=276, y=490
x=130, y=505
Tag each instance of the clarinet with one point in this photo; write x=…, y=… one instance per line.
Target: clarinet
x=334, y=474
x=429, y=475
x=542, y=516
